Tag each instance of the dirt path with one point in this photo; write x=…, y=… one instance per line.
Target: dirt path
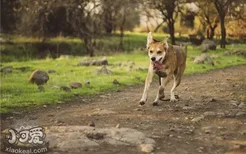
x=209, y=118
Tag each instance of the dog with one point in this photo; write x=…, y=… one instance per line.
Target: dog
x=168, y=62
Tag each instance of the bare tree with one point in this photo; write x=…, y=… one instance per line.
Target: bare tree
x=222, y=7
x=208, y=16
x=169, y=10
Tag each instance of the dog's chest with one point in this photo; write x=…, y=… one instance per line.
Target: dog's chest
x=161, y=73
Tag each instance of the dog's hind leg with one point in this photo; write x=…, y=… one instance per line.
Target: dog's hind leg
x=176, y=82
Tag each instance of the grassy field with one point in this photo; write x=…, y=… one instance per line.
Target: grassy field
x=127, y=68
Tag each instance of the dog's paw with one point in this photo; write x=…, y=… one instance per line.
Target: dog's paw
x=162, y=97
x=174, y=100
x=155, y=103
x=141, y=102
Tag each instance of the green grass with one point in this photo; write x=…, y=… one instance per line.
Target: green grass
x=29, y=48
x=17, y=93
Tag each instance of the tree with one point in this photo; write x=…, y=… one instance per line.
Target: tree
x=9, y=15
x=209, y=17
x=169, y=10
x=81, y=17
x=222, y=7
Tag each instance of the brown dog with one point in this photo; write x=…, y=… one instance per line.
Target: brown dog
x=167, y=61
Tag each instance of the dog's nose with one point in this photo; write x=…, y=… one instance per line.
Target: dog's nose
x=153, y=58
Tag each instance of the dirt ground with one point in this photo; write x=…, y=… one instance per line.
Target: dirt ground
x=209, y=118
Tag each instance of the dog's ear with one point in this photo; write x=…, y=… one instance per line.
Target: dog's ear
x=164, y=42
x=149, y=40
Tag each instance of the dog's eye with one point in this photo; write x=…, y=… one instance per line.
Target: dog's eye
x=159, y=52
x=151, y=51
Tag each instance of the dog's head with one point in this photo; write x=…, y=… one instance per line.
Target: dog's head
x=157, y=50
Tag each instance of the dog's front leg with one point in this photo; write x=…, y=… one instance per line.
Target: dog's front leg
x=148, y=81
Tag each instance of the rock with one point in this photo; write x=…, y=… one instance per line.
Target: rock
x=203, y=58
x=192, y=58
x=239, y=53
x=51, y=71
x=227, y=53
x=23, y=69
x=91, y=124
x=7, y=69
x=101, y=62
x=104, y=70
x=87, y=83
x=241, y=105
x=197, y=119
x=188, y=108
x=221, y=114
x=41, y=88
x=75, y=85
x=44, y=106
x=87, y=63
x=208, y=45
x=215, y=57
x=116, y=82
x=67, y=138
x=147, y=148
x=39, y=77
x=241, y=113
x=65, y=88
x=212, y=100
x=209, y=113
x=95, y=135
x=196, y=38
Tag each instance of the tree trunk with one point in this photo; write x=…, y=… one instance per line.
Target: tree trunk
x=211, y=32
x=171, y=31
x=223, y=32
x=89, y=46
x=122, y=31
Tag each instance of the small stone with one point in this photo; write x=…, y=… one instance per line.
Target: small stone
x=188, y=108
x=91, y=124
x=116, y=82
x=220, y=114
x=65, y=88
x=44, y=106
x=147, y=148
x=7, y=69
x=241, y=113
x=209, y=113
x=117, y=126
x=241, y=105
x=87, y=83
x=212, y=100
x=207, y=131
x=75, y=85
x=197, y=119
x=171, y=135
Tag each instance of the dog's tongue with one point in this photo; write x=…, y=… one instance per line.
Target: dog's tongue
x=158, y=65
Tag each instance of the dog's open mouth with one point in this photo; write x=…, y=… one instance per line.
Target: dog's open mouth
x=157, y=65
